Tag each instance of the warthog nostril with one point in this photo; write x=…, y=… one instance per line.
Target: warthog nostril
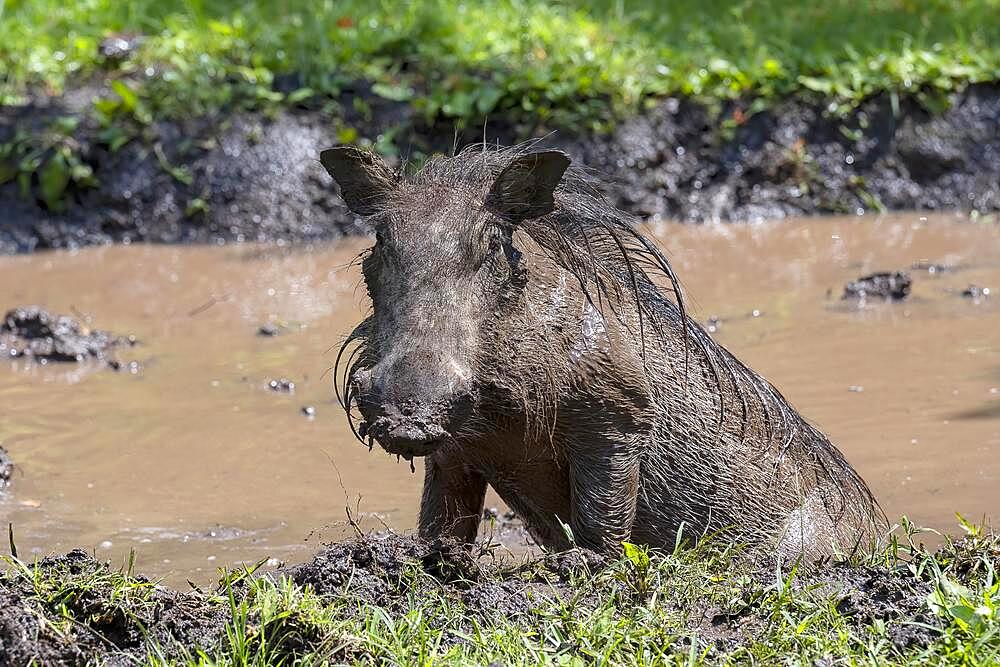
x=398, y=434
x=414, y=432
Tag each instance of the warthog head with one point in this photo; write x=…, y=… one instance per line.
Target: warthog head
x=443, y=268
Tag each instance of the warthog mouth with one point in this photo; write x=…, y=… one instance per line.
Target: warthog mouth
x=407, y=437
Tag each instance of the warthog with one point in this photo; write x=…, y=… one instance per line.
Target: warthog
x=524, y=335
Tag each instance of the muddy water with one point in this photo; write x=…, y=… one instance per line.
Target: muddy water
x=195, y=462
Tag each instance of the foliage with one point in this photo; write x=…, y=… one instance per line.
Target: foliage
x=578, y=65
x=571, y=64
x=46, y=164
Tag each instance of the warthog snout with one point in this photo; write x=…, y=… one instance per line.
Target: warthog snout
x=407, y=436
x=408, y=426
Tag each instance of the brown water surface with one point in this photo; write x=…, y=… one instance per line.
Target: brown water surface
x=196, y=463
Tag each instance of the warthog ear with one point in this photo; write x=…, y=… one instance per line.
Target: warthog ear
x=524, y=190
x=364, y=179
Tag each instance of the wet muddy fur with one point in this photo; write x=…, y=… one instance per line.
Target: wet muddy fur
x=525, y=336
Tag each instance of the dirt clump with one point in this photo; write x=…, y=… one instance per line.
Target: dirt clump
x=75, y=612
x=884, y=285
x=281, y=385
x=269, y=330
x=868, y=595
x=6, y=468
x=388, y=570
x=381, y=569
x=976, y=293
x=35, y=333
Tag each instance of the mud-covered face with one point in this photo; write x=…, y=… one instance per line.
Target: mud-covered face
x=442, y=269
x=434, y=278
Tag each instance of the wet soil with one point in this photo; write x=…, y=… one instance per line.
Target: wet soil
x=885, y=285
x=6, y=468
x=38, y=335
x=385, y=570
x=248, y=177
x=394, y=572
x=976, y=293
x=110, y=630
x=197, y=462
x=862, y=594
x=797, y=159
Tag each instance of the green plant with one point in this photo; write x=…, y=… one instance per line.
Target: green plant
x=556, y=64
x=46, y=164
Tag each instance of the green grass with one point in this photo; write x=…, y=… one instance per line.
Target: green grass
x=534, y=65
x=570, y=64
x=645, y=609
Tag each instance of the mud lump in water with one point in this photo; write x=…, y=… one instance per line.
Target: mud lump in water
x=524, y=335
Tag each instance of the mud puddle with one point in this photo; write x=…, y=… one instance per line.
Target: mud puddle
x=227, y=446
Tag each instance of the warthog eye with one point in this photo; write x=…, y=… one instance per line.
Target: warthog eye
x=518, y=273
x=491, y=254
x=513, y=254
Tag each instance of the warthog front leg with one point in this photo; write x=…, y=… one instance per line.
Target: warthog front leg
x=452, y=504
x=604, y=487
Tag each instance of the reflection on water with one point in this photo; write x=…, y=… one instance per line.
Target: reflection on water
x=196, y=462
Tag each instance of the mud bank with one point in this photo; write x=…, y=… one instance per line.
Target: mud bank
x=252, y=177
x=392, y=598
